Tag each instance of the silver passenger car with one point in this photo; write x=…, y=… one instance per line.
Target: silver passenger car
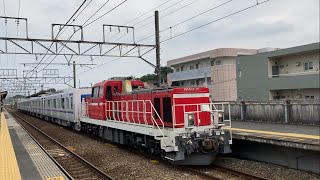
x=62, y=108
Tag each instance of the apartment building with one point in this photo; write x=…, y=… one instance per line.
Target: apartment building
x=291, y=73
x=215, y=69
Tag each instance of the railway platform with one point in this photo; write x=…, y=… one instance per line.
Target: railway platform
x=297, y=136
x=294, y=146
x=21, y=157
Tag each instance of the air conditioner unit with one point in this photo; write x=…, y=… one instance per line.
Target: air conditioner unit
x=298, y=96
x=298, y=63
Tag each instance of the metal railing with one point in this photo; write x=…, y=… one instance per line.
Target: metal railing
x=137, y=112
x=196, y=109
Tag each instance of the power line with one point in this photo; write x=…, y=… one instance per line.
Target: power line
x=151, y=10
x=172, y=12
x=152, y=16
x=96, y=11
x=105, y=14
x=189, y=19
x=86, y=26
x=57, y=36
x=216, y=20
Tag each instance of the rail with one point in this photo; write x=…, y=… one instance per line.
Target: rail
x=90, y=166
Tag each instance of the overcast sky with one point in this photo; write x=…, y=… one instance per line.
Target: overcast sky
x=277, y=23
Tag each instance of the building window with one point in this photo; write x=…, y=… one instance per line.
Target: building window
x=218, y=62
x=191, y=67
x=309, y=97
x=197, y=66
x=308, y=66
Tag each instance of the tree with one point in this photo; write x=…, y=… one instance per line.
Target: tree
x=153, y=77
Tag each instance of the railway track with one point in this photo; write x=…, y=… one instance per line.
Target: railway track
x=74, y=166
x=70, y=164
x=230, y=173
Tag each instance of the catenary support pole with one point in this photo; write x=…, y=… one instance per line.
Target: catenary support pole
x=74, y=75
x=157, y=33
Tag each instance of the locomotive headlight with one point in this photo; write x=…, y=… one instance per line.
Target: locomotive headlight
x=191, y=119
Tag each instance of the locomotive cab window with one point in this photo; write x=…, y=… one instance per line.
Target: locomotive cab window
x=108, y=93
x=95, y=92
x=116, y=89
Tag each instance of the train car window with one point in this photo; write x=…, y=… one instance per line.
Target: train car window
x=71, y=99
x=54, y=103
x=67, y=103
x=62, y=103
x=167, y=113
x=157, y=107
x=49, y=103
x=108, y=93
x=58, y=103
x=101, y=92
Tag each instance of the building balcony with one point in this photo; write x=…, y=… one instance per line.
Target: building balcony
x=290, y=81
x=191, y=74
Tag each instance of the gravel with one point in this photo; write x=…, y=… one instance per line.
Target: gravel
x=264, y=170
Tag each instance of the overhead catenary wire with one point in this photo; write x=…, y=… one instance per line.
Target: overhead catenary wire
x=216, y=20
x=85, y=25
x=193, y=29
x=189, y=19
x=163, y=10
x=58, y=36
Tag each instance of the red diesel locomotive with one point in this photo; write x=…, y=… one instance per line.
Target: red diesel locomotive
x=180, y=124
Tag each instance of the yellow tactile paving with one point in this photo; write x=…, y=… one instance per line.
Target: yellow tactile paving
x=9, y=169
x=294, y=135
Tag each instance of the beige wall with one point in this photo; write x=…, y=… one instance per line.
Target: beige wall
x=223, y=82
x=296, y=93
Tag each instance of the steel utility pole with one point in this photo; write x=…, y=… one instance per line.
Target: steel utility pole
x=74, y=75
x=157, y=32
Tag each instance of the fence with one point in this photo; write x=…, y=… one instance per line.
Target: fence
x=289, y=112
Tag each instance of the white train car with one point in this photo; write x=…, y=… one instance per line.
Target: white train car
x=62, y=108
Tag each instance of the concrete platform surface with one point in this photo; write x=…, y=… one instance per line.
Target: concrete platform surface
x=298, y=136
x=21, y=157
